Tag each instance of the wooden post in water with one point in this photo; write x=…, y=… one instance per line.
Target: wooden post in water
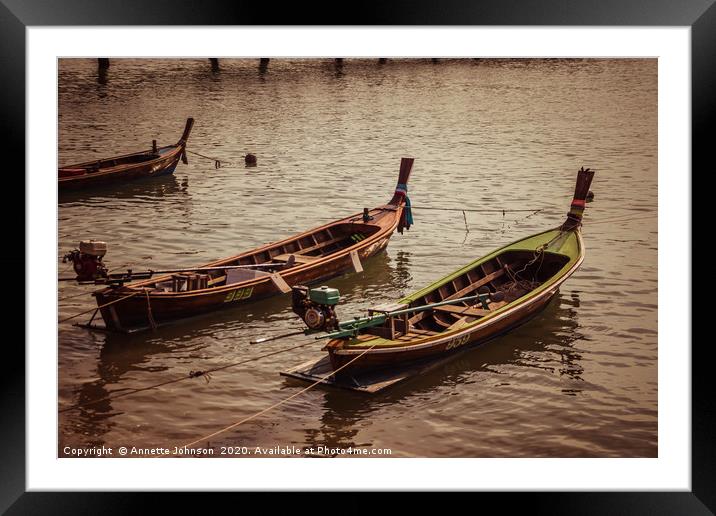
x=263, y=65
x=102, y=67
x=214, y=64
x=339, y=66
x=382, y=60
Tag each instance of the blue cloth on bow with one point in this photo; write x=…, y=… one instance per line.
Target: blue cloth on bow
x=407, y=211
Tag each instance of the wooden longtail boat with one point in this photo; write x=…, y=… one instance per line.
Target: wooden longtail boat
x=315, y=255
x=154, y=162
x=517, y=281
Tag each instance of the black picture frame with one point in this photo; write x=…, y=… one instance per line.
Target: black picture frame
x=17, y=15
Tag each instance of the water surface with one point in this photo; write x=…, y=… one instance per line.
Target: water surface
x=580, y=380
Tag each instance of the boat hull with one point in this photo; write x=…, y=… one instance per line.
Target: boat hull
x=162, y=166
x=374, y=361
x=312, y=256
x=144, y=309
x=347, y=359
x=119, y=169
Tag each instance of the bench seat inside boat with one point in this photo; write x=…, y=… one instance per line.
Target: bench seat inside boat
x=232, y=276
x=300, y=258
x=469, y=310
x=462, y=310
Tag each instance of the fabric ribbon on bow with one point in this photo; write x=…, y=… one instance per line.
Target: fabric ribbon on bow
x=406, y=218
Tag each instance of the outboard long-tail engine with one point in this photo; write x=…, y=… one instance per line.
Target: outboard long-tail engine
x=316, y=306
x=87, y=260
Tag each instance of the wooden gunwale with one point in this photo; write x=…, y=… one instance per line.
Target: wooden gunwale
x=297, y=269
x=169, y=156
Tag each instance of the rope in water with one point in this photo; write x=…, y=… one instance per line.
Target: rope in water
x=101, y=306
x=279, y=403
x=620, y=219
x=217, y=162
x=71, y=297
x=475, y=210
x=191, y=374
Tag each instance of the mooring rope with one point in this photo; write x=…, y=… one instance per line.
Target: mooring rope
x=475, y=210
x=621, y=218
x=279, y=403
x=150, y=316
x=71, y=297
x=520, y=220
x=189, y=376
x=100, y=306
x=217, y=162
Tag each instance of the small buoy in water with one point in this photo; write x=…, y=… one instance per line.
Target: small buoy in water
x=590, y=196
x=250, y=160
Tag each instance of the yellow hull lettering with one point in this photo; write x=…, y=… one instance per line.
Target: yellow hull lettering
x=457, y=342
x=239, y=294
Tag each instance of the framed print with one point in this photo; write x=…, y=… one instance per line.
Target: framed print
x=428, y=242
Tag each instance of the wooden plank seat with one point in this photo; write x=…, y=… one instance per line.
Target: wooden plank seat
x=301, y=254
x=462, y=310
x=299, y=258
x=318, y=245
x=215, y=281
x=426, y=333
x=462, y=321
x=463, y=292
x=469, y=310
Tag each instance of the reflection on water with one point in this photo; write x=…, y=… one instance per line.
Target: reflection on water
x=149, y=189
x=102, y=77
x=578, y=380
x=118, y=357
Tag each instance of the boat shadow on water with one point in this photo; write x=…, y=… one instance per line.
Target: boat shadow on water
x=552, y=332
x=150, y=188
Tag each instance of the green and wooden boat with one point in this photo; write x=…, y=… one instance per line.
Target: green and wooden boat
x=486, y=298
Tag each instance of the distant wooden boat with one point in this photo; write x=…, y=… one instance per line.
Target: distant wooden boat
x=154, y=162
x=317, y=254
x=517, y=281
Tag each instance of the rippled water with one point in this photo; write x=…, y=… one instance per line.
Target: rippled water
x=578, y=380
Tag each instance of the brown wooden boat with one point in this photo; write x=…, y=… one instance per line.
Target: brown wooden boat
x=315, y=255
x=484, y=299
x=154, y=162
